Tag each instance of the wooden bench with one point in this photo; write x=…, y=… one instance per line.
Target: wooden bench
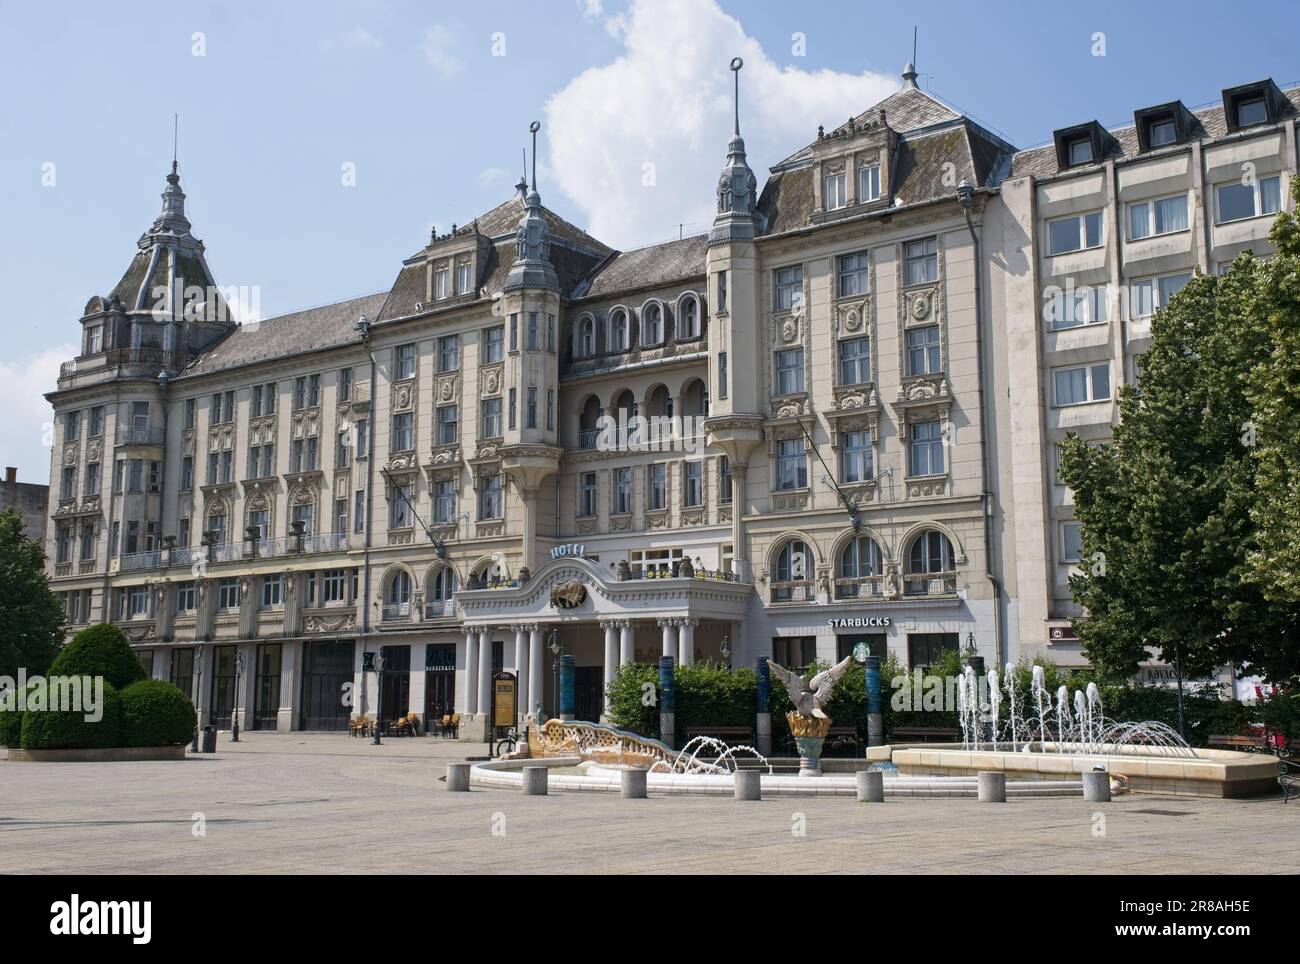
x=732, y=735
x=1245, y=742
x=925, y=734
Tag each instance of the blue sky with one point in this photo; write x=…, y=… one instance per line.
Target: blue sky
x=431, y=102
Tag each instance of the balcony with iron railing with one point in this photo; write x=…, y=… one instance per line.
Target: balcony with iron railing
x=154, y=358
x=132, y=561
x=137, y=435
x=860, y=587
x=930, y=584
x=588, y=437
x=794, y=590
x=395, y=611
x=440, y=608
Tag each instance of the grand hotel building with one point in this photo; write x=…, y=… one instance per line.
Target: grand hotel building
x=878, y=354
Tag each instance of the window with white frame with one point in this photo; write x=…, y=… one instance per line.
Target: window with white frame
x=464, y=279
x=586, y=346
x=1071, y=542
x=492, y=418
x=587, y=495
x=494, y=344
x=788, y=293
x=869, y=183
x=448, y=420
x=186, y=597
x=1075, y=307
x=791, y=464
x=400, y=515
x=622, y=492
x=835, y=195
x=441, y=275
x=853, y=274
x=855, y=361
x=1150, y=294
x=333, y=585
x=652, y=324
x=306, y=514
x=656, y=487
x=444, y=500
x=273, y=591
x=1077, y=232
x=490, y=503
x=1248, y=198
x=618, y=330
x=1079, y=150
x=448, y=353
x=228, y=594
x=1082, y=384
x=688, y=317
x=921, y=261
x=404, y=362
x=923, y=354
x=789, y=371
x=1164, y=215
x=925, y=448
x=693, y=483
x=403, y=439
x=855, y=457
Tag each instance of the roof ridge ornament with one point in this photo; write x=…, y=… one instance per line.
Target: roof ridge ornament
x=532, y=267
x=737, y=186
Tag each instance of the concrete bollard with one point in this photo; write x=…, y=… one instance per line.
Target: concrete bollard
x=458, y=776
x=871, y=786
x=634, y=784
x=535, y=781
x=1096, y=786
x=748, y=786
x=992, y=786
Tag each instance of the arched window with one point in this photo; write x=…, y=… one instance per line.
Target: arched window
x=688, y=317
x=695, y=398
x=930, y=565
x=443, y=586
x=618, y=331
x=660, y=403
x=859, y=570
x=793, y=573
x=625, y=405
x=588, y=424
x=397, y=599
x=652, y=324
x=586, y=347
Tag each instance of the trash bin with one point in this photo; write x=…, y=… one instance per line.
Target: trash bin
x=209, y=739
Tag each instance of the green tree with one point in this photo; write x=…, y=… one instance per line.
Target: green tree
x=31, y=617
x=1168, y=531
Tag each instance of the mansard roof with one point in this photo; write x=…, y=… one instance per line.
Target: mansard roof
x=1208, y=123
x=649, y=267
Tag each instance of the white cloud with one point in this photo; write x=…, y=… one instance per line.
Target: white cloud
x=662, y=111
x=24, y=431
x=358, y=40
x=438, y=47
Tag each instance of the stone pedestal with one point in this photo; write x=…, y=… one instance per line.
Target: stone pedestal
x=992, y=786
x=535, y=781
x=1096, y=786
x=458, y=776
x=748, y=785
x=763, y=733
x=633, y=784
x=871, y=786
x=809, y=735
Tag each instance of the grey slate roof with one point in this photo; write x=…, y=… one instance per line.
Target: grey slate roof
x=324, y=327
x=1209, y=124
x=650, y=267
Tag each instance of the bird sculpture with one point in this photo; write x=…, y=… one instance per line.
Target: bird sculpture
x=809, y=695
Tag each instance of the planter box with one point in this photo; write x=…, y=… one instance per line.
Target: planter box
x=108, y=755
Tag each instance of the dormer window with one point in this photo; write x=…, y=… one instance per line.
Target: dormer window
x=1080, y=150
x=587, y=337
x=1251, y=111
x=1162, y=132
x=463, y=278
x=1250, y=104
x=618, y=331
x=441, y=275
x=652, y=324
x=688, y=317
x=869, y=184
x=95, y=339
x=1088, y=143
x=835, y=192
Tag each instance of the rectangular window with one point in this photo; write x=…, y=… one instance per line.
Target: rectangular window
x=300, y=392
x=363, y=438
x=550, y=333
x=135, y=475
x=214, y=409
x=789, y=288
x=269, y=392
x=489, y=497
x=1074, y=233
x=95, y=427
x=449, y=353
x=404, y=362
x=340, y=515
x=550, y=409
x=1079, y=150
x=853, y=274
x=68, y=483
x=313, y=453
x=403, y=432
x=343, y=449
x=187, y=473
x=835, y=196
x=923, y=354
x=622, y=494
x=869, y=183
x=273, y=591
x=1238, y=201
x=464, y=278
x=1075, y=307
x=333, y=585
x=855, y=361
x=399, y=513
x=95, y=340
x=87, y=542
x=724, y=480
x=440, y=278
x=228, y=594
x=1161, y=132
x=71, y=426
x=92, y=478
x=789, y=371
x=448, y=422
x=587, y=495
x=514, y=332
x=656, y=486
x=921, y=261
x=306, y=514
x=313, y=391
x=722, y=374
x=1252, y=111
x=693, y=483
x=359, y=511
x=855, y=457
x=1161, y=216
x=531, y=421
x=791, y=464
x=1150, y=294
x=532, y=331
x=444, y=500
x=493, y=345
x=514, y=393
x=722, y=291
x=1087, y=383
x=1071, y=542
x=925, y=449
x=155, y=476
x=217, y=528
x=62, y=542
x=345, y=384
x=492, y=417
x=186, y=597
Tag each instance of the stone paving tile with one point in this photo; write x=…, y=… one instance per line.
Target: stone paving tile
x=327, y=803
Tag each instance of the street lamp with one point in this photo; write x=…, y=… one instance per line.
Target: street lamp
x=234, y=716
x=555, y=672
x=726, y=651
x=379, y=694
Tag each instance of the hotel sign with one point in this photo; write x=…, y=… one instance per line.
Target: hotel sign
x=859, y=622
x=571, y=550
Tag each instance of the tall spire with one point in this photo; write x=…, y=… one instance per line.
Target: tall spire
x=737, y=200
x=532, y=267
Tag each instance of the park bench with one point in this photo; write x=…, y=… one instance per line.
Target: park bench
x=732, y=735
x=925, y=734
x=1288, y=777
x=1240, y=742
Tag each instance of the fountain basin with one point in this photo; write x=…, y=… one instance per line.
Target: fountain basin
x=1210, y=773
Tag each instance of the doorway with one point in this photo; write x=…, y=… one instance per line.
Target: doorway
x=396, y=696
x=223, y=687
x=588, y=692
x=326, y=670
x=439, y=684
x=266, y=699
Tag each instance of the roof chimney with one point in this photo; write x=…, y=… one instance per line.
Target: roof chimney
x=11, y=474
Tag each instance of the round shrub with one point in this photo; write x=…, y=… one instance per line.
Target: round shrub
x=156, y=713
x=45, y=729
x=100, y=650
x=11, y=718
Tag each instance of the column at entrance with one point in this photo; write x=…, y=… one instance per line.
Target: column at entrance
x=626, y=642
x=537, y=677
x=687, y=642
x=611, y=649
x=669, y=627
x=484, y=673
x=739, y=551
x=524, y=669
x=471, y=674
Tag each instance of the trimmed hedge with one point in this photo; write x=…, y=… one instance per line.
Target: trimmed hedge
x=11, y=720
x=69, y=729
x=100, y=650
x=156, y=713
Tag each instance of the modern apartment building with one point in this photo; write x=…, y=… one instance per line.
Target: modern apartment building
x=828, y=421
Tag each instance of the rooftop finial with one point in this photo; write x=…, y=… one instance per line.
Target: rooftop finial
x=909, y=72
x=176, y=126
x=533, y=128
x=736, y=64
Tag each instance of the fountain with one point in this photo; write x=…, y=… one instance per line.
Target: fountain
x=808, y=722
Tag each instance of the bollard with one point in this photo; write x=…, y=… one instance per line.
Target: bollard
x=535, y=781
x=458, y=776
x=634, y=784
x=992, y=786
x=1096, y=786
x=871, y=786
x=748, y=786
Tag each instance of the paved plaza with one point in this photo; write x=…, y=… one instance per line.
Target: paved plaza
x=327, y=803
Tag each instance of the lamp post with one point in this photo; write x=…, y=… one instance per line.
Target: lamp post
x=555, y=672
x=234, y=714
x=726, y=651
x=379, y=694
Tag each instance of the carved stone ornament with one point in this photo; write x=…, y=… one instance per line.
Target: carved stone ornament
x=789, y=330
x=447, y=389
x=403, y=397
x=568, y=595
x=921, y=304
